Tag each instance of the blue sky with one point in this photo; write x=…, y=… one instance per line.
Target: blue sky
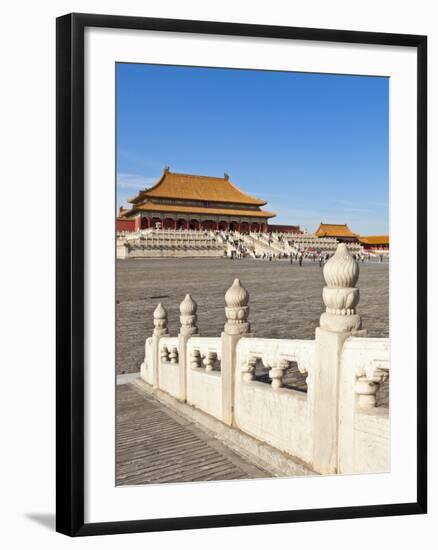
x=314, y=146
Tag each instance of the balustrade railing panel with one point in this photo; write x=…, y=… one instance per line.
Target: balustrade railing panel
x=168, y=368
x=273, y=413
x=364, y=436
x=204, y=389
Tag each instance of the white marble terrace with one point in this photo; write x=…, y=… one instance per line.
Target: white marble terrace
x=334, y=427
x=165, y=243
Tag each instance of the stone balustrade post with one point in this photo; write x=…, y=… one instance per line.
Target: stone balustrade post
x=276, y=374
x=160, y=329
x=249, y=370
x=367, y=384
x=366, y=391
x=236, y=326
x=173, y=355
x=195, y=359
x=339, y=321
x=188, y=320
x=210, y=360
x=164, y=355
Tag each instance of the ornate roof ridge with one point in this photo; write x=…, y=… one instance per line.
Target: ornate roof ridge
x=197, y=176
x=338, y=224
x=191, y=187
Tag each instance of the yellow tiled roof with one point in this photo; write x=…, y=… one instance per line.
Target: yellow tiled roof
x=334, y=230
x=375, y=239
x=153, y=207
x=192, y=187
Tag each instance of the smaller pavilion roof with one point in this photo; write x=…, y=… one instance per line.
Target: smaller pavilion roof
x=375, y=240
x=334, y=230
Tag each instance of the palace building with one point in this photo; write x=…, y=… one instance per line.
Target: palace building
x=375, y=243
x=186, y=201
x=340, y=232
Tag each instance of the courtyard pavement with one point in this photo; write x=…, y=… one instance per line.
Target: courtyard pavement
x=156, y=445
x=285, y=300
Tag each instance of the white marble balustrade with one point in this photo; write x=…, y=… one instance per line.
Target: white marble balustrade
x=334, y=427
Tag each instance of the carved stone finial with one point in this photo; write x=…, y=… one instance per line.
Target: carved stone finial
x=160, y=321
x=236, y=309
x=340, y=296
x=188, y=317
x=341, y=271
x=236, y=295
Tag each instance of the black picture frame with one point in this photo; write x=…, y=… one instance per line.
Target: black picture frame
x=70, y=273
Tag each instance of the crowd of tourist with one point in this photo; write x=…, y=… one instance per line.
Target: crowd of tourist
x=268, y=248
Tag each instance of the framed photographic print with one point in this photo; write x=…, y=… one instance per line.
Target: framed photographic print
x=241, y=274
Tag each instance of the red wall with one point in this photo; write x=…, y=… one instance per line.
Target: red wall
x=284, y=229
x=126, y=225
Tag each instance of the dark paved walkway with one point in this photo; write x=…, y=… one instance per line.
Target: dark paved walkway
x=156, y=445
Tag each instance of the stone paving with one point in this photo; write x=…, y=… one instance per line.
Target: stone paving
x=285, y=300
x=156, y=445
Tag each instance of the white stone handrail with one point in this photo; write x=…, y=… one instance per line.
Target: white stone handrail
x=334, y=427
